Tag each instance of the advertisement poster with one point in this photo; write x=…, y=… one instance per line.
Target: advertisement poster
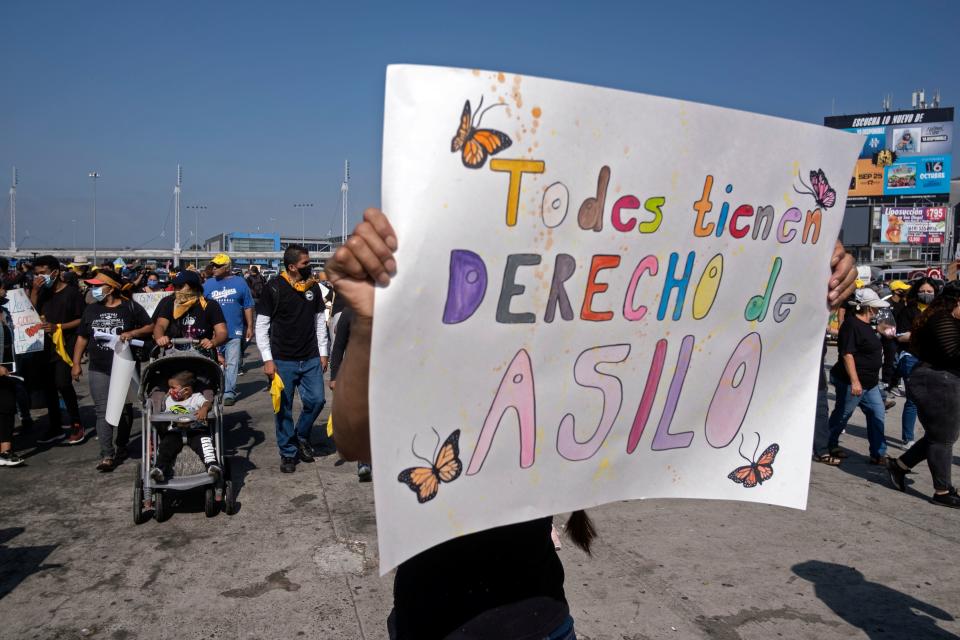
x=27, y=328
x=913, y=225
x=582, y=320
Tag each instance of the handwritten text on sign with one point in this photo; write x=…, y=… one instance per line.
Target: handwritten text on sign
x=598, y=294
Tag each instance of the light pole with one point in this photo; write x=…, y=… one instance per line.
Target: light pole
x=94, y=175
x=302, y=206
x=196, y=233
x=74, y=221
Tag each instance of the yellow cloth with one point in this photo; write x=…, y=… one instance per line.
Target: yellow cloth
x=276, y=388
x=182, y=303
x=330, y=426
x=300, y=285
x=59, y=345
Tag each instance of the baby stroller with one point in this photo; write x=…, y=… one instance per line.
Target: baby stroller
x=190, y=472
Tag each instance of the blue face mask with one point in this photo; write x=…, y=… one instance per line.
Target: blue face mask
x=153, y=284
x=48, y=280
x=98, y=294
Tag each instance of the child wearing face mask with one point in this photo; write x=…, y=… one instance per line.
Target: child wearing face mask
x=856, y=376
x=183, y=399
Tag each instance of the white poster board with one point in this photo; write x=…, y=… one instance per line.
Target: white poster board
x=149, y=301
x=601, y=296
x=27, y=328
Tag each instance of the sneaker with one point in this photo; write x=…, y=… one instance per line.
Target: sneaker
x=106, y=465
x=10, y=459
x=214, y=471
x=305, y=451
x=52, y=434
x=229, y=401
x=288, y=465
x=897, y=475
x=897, y=391
x=157, y=475
x=77, y=434
x=946, y=500
x=241, y=372
x=890, y=403
x=364, y=472
x=879, y=460
x=908, y=444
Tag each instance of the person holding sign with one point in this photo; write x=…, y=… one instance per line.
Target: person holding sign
x=60, y=307
x=510, y=579
x=111, y=317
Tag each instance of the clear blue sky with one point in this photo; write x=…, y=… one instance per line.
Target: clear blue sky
x=262, y=101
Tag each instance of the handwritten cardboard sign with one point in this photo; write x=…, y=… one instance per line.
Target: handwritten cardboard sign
x=150, y=300
x=601, y=296
x=27, y=328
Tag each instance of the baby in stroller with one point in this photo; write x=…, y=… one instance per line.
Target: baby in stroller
x=182, y=398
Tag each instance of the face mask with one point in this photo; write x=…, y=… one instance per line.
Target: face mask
x=98, y=294
x=153, y=284
x=305, y=272
x=180, y=394
x=47, y=280
x=925, y=298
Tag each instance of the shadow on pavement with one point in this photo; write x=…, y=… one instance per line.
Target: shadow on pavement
x=879, y=611
x=19, y=563
x=241, y=439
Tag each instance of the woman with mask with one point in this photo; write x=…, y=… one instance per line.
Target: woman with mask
x=935, y=389
x=151, y=283
x=919, y=297
x=111, y=316
x=187, y=314
x=856, y=376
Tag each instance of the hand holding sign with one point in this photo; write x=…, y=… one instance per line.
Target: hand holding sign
x=365, y=259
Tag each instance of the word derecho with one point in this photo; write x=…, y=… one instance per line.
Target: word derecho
x=468, y=283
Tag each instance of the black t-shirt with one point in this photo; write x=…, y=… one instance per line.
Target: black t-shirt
x=126, y=316
x=502, y=583
x=58, y=307
x=197, y=323
x=860, y=340
x=293, y=322
x=938, y=342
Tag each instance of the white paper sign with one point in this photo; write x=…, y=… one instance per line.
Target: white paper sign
x=27, y=331
x=601, y=296
x=149, y=301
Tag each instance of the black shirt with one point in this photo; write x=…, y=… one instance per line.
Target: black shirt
x=860, y=340
x=341, y=337
x=58, y=307
x=501, y=583
x=126, y=316
x=938, y=342
x=197, y=323
x=293, y=319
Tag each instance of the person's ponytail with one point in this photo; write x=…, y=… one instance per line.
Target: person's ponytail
x=581, y=530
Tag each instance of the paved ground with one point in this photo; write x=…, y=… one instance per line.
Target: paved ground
x=299, y=559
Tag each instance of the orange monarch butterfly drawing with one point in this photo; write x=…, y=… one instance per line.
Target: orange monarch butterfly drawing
x=759, y=470
x=425, y=481
x=476, y=144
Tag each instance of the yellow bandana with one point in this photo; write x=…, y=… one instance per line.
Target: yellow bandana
x=301, y=285
x=183, y=301
x=276, y=390
x=60, y=345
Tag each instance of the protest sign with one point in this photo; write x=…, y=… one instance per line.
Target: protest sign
x=601, y=296
x=27, y=328
x=149, y=301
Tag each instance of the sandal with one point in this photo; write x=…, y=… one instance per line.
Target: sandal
x=106, y=465
x=837, y=452
x=827, y=459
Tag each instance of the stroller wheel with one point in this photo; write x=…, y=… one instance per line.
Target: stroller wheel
x=138, y=497
x=229, y=496
x=210, y=506
x=160, y=508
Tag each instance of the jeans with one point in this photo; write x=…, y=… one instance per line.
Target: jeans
x=937, y=396
x=821, y=427
x=99, y=390
x=231, y=356
x=308, y=375
x=905, y=365
x=56, y=380
x=871, y=403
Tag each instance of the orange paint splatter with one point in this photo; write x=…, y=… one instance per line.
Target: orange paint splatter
x=501, y=77
x=536, y=112
x=476, y=72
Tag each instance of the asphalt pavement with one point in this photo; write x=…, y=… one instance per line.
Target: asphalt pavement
x=299, y=559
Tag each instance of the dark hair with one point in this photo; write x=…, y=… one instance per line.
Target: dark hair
x=47, y=261
x=916, y=284
x=581, y=530
x=4, y=264
x=184, y=379
x=293, y=254
x=946, y=299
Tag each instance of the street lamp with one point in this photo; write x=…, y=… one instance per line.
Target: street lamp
x=196, y=233
x=302, y=206
x=74, y=221
x=94, y=175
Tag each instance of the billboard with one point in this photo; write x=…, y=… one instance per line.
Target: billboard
x=904, y=152
x=913, y=225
